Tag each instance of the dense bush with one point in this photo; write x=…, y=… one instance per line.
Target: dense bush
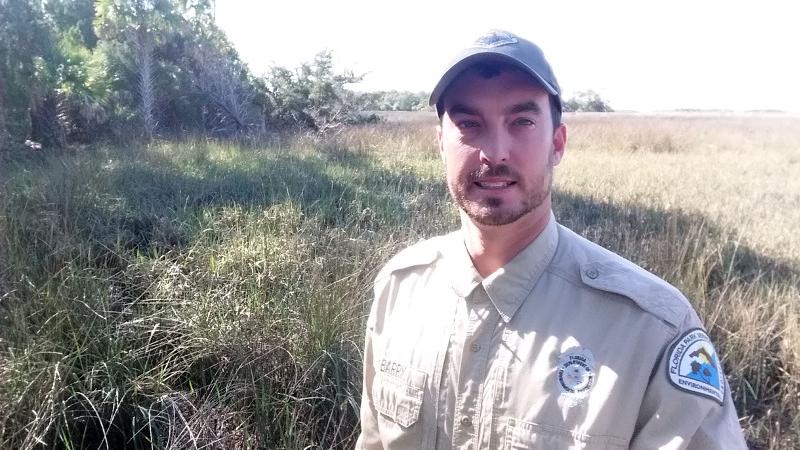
x=79, y=71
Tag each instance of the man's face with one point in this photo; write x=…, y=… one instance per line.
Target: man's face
x=499, y=146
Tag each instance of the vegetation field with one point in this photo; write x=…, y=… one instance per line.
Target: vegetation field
x=203, y=294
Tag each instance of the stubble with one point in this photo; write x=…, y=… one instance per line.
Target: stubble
x=496, y=211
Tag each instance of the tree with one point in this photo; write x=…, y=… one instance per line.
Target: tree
x=224, y=85
x=312, y=96
x=25, y=46
x=174, y=68
x=229, y=97
x=587, y=101
x=138, y=27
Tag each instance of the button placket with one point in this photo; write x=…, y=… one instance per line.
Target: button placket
x=472, y=379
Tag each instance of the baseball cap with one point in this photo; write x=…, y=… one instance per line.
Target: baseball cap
x=501, y=46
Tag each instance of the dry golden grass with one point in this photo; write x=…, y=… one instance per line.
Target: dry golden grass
x=741, y=172
x=729, y=189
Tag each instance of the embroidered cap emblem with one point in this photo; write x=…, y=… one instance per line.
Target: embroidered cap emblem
x=494, y=39
x=693, y=366
x=576, y=373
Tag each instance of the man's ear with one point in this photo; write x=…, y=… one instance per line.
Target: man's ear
x=559, y=143
x=439, y=141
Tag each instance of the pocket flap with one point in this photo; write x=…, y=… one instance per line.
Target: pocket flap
x=525, y=435
x=397, y=399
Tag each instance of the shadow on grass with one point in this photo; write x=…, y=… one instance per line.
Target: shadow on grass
x=158, y=205
x=625, y=228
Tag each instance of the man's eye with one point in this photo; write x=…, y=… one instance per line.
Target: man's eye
x=522, y=121
x=468, y=124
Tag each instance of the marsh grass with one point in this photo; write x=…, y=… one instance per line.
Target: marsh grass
x=209, y=295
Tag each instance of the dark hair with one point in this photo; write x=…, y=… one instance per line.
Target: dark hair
x=491, y=69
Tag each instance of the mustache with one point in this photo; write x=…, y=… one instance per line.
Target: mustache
x=500, y=170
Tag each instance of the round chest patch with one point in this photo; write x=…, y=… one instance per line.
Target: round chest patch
x=576, y=373
x=693, y=366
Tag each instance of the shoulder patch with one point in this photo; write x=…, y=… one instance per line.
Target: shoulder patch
x=693, y=366
x=650, y=293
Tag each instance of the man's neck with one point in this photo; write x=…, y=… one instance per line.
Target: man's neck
x=491, y=247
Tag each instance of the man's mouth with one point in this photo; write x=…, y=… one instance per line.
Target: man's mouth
x=494, y=184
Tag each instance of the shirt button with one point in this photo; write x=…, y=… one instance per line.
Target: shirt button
x=592, y=273
x=466, y=421
x=475, y=347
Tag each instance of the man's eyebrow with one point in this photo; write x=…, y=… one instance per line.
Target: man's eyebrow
x=460, y=108
x=525, y=107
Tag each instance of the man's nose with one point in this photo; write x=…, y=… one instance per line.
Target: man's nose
x=495, y=149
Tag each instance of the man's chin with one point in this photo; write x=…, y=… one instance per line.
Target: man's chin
x=492, y=216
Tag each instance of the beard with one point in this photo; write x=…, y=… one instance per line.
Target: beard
x=495, y=210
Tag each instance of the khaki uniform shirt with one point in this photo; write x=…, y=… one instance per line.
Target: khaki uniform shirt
x=568, y=346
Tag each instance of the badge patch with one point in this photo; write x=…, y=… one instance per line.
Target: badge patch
x=576, y=373
x=693, y=366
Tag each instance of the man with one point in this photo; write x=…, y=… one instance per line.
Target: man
x=514, y=332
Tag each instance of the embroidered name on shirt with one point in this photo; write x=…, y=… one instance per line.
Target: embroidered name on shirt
x=576, y=374
x=694, y=367
x=392, y=368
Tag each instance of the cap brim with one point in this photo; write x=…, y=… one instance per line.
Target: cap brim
x=482, y=55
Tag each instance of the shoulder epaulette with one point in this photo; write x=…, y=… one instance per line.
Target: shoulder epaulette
x=422, y=253
x=649, y=292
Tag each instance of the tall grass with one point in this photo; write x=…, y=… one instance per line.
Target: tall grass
x=712, y=205
x=207, y=295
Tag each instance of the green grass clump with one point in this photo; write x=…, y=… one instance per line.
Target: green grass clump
x=209, y=295
x=195, y=294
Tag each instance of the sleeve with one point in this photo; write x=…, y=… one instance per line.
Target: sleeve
x=370, y=435
x=688, y=404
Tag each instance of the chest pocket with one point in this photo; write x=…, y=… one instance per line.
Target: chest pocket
x=521, y=435
x=399, y=398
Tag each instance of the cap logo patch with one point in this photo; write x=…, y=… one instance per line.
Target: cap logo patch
x=494, y=39
x=694, y=367
x=576, y=374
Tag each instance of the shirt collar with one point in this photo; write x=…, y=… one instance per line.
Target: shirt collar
x=508, y=286
x=464, y=277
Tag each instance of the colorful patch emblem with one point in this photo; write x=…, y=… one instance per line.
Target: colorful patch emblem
x=693, y=366
x=576, y=373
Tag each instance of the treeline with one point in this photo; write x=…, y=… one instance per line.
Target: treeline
x=75, y=71
x=584, y=101
x=394, y=101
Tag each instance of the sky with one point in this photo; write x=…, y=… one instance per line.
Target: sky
x=638, y=55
